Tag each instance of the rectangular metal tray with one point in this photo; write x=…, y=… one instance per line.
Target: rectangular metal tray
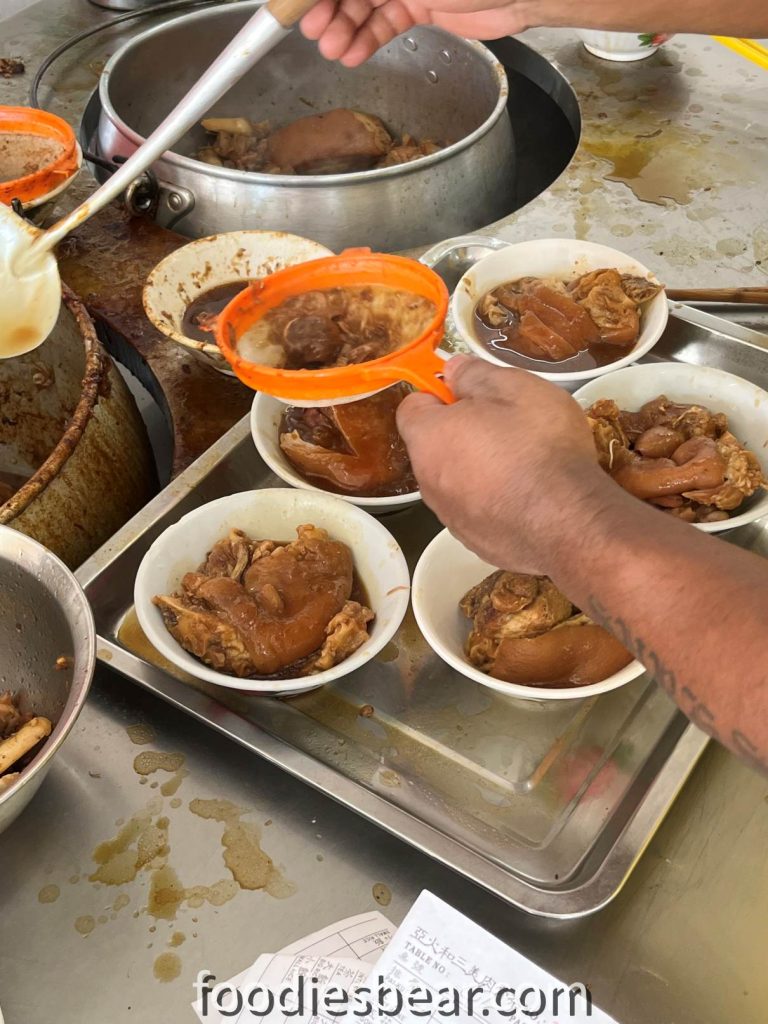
x=549, y=805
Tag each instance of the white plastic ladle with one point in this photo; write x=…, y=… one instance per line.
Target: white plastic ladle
x=30, y=287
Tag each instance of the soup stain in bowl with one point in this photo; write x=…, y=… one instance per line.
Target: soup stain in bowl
x=199, y=320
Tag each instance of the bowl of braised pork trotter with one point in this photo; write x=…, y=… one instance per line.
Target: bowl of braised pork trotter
x=513, y=632
x=275, y=591
x=689, y=440
x=353, y=449
x=565, y=309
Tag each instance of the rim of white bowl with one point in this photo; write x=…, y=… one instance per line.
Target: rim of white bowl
x=418, y=588
x=149, y=291
x=282, y=468
x=596, y=248
x=657, y=369
x=160, y=638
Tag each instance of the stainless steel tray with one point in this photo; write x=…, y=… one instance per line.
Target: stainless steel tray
x=547, y=805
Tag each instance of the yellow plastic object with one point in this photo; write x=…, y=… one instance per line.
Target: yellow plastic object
x=415, y=362
x=748, y=48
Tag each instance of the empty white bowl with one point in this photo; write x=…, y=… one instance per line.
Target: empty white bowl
x=266, y=413
x=622, y=46
x=274, y=514
x=565, y=259
x=443, y=575
x=210, y=262
x=745, y=405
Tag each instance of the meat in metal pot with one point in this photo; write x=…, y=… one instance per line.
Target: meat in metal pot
x=428, y=84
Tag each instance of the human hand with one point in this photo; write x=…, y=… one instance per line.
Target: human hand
x=510, y=468
x=351, y=31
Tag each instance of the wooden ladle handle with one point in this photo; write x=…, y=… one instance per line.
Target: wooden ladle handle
x=288, y=12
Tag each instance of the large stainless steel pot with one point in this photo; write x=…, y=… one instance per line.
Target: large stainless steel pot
x=428, y=83
x=70, y=425
x=44, y=616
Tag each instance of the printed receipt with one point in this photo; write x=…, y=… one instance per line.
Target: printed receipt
x=431, y=963
x=340, y=955
x=439, y=950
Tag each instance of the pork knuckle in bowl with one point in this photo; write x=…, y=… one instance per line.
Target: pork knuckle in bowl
x=564, y=309
x=274, y=591
x=514, y=633
x=352, y=450
x=690, y=440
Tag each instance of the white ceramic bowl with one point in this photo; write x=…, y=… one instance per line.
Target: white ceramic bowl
x=563, y=258
x=622, y=46
x=210, y=262
x=274, y=513
x=443, y=575
x=266, y=413
x=745, y=405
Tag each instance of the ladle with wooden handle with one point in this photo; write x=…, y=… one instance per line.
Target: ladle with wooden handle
x=30, y=288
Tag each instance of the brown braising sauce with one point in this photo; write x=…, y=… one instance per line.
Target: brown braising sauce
x=199, y=320
x=498, y=343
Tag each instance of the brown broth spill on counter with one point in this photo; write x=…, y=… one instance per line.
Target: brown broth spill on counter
x=133, y=638
x=150, y=761
x=141, y=845
x=140, y=734
x=167, y=967
x=170, y=787
x=138, y=843
x=498, y=345
x=382, y=894
x=389, y=652
x=209, y=304
x=85, y=924
x=250, y=866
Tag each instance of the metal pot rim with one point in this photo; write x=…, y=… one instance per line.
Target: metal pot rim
x=96, y=367
x=301, y=180
x=83, y=669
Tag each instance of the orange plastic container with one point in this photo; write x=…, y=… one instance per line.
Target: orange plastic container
x=416, y=362
x=47, y=178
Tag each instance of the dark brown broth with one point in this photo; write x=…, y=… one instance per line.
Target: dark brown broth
x=209, y=303
x=498, y=344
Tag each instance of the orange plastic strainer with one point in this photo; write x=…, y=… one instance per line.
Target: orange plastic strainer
x=415, y=362
x=27, y=121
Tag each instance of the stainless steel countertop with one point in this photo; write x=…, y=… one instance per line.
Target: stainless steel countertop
x=684, y=942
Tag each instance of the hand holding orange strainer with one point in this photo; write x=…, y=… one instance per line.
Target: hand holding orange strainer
x=416, y=361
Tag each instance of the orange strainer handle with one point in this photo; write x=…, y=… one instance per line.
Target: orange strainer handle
x=423, y=368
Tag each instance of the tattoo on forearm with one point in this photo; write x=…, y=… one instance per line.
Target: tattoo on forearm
x=698, y=712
